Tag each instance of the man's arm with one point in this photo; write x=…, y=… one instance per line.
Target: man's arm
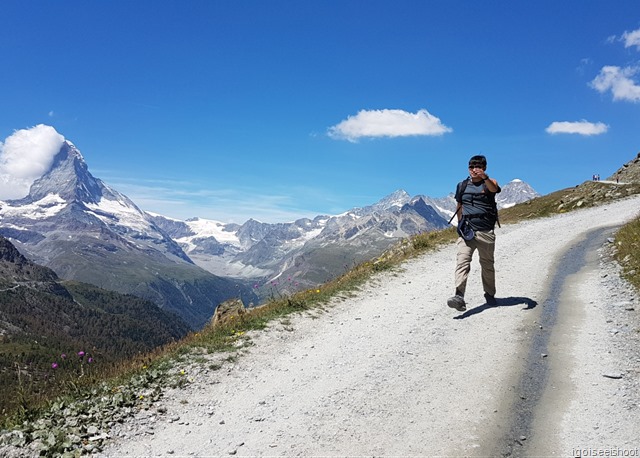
x=491, y=184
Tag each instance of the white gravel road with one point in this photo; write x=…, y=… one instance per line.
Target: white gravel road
x=392, y=371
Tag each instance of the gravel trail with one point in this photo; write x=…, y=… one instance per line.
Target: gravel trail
x=392, y=371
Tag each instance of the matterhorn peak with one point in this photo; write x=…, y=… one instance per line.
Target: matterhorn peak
x=68, y=177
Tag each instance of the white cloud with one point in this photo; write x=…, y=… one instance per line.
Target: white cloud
x=619, y=81
x=578, y=127
x=631, y=39
x=25, y=156
x=387, y=123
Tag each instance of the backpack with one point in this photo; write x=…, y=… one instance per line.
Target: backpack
x=462, y=187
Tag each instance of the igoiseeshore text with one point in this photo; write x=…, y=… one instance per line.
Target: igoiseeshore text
x=605, y=451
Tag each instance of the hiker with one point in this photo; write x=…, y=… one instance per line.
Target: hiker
x=477, y=216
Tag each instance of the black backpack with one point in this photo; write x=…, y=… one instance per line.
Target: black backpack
x=462, y=187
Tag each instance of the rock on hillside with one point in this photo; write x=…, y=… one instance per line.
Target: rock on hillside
x=629, y=172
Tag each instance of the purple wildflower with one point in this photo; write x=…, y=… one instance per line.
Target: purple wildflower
x=81, y=354
x=54, y=365
x=63, y=356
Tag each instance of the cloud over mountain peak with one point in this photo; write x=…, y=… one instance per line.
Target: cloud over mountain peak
x=25, y=156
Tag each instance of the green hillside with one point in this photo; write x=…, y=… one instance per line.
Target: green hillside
x=45, y=324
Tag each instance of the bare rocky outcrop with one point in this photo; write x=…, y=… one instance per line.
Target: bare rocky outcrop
x=629, y=172
x=228, y=311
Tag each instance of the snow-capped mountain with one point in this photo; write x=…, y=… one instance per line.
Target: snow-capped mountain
x=312, y=251
x=393, y=201
x=515, y=192
x=68, y=192
x=308, y=251
x=85, y=230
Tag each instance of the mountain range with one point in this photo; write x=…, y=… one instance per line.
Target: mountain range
x=311, y=251
x=84, y=230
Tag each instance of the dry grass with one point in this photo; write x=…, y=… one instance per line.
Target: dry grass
x=628, y=251
x=586, y=195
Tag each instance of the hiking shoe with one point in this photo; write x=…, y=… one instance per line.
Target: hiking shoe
x=457, y=302
x=489, y=299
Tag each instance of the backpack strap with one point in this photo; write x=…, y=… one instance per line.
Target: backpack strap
x=461, y=188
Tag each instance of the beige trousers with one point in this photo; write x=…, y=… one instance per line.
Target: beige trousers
x=485, y=243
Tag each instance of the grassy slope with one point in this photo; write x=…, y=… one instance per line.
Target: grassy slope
x=49, y=319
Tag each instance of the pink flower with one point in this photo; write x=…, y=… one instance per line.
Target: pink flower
x=63, y=356
x=81, y=354
x=54, y=365
x=90, y=360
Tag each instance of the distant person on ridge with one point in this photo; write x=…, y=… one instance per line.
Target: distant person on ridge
x=477, y=216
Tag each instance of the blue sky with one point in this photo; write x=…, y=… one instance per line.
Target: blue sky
x=276, y=110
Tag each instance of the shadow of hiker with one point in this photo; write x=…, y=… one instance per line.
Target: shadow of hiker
x=500, y=302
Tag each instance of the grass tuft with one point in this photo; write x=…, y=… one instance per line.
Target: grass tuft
x=627, y=243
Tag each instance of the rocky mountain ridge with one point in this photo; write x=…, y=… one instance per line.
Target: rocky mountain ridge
x=314, y=250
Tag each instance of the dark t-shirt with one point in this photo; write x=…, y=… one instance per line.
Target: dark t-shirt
x=478, y=205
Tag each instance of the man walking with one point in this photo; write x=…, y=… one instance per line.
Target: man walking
x=476, y=198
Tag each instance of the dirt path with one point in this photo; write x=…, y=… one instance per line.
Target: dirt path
x=393, y=371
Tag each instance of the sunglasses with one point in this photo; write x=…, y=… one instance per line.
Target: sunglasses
x=476, y=166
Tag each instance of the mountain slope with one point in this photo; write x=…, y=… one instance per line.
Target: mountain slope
x=84, y=230
x=42, y=317
x=629, y=172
